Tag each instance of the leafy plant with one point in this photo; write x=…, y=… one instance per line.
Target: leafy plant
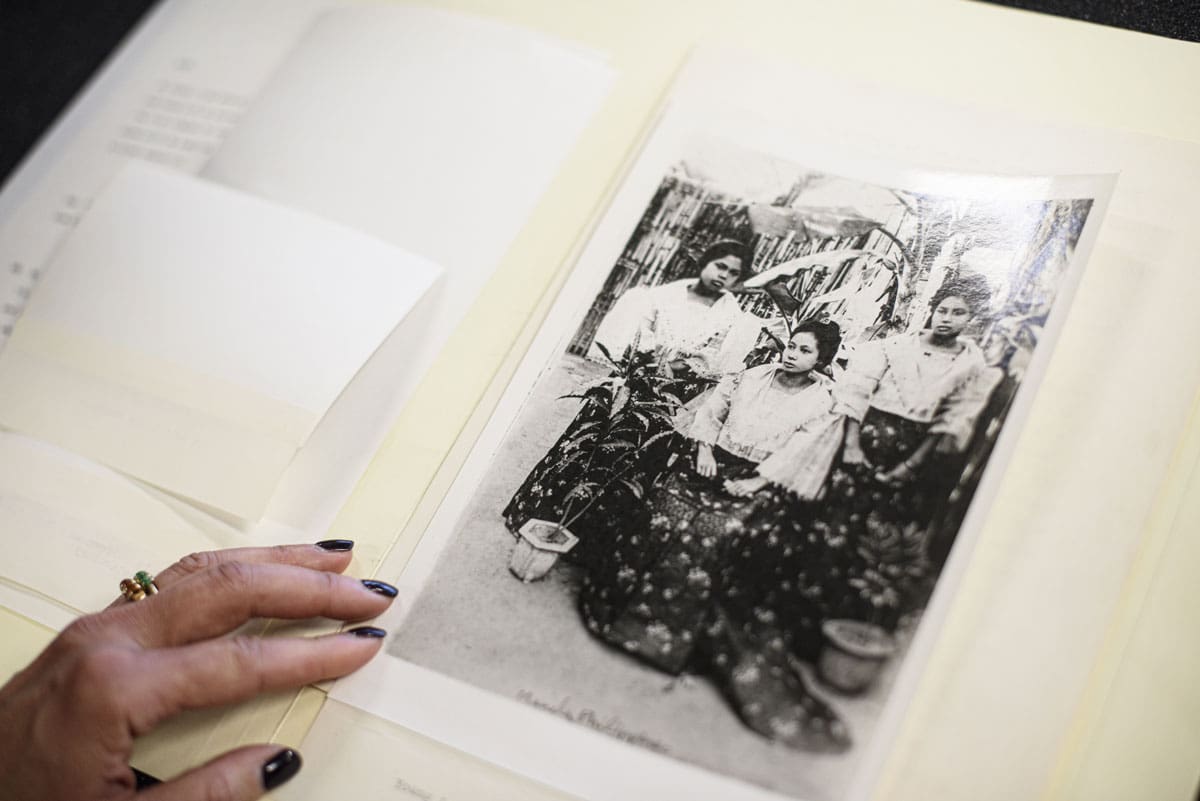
x=893, y=565
x=629, y=411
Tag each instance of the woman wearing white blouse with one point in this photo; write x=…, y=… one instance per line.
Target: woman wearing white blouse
x=668, y=591
x=931, y=379
x=694, y=326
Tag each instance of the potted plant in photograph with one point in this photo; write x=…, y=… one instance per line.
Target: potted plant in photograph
x=629, y=411
x=892, y=566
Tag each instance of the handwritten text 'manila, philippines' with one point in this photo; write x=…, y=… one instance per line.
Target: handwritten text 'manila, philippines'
x=589, y=717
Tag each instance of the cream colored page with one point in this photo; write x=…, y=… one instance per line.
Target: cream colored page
x=970, y=139
x=1136, y=735
x=23, y=640
x=435, y=131
x=183, y=318
x=388, y=761
x=322, y=474
x=76, y=530
x=1043, y=728
x=200, y=735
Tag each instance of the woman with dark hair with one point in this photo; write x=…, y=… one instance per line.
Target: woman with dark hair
x=691, y=331
x=693, y=326
x=908, y=395
x=909, y=401
x=762, y=440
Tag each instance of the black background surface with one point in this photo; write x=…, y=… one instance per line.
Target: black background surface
x=48, y=48
x=1178, y=19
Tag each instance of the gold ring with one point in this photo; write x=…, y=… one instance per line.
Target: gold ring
x=138, y=587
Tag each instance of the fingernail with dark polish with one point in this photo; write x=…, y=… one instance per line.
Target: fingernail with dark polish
x=380, y=587
x=335, y=545
x=368, y=631
x=279, y=768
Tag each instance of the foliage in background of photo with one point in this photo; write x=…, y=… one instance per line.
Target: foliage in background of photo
x=867, y=257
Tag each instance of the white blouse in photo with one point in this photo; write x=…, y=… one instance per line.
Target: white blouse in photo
x=792, y=434
x=901, y=375
x=714, y=339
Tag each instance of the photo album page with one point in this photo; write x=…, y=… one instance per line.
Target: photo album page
x=195, y=302
x=708, y=537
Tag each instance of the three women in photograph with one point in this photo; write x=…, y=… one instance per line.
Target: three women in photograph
x=735, y=531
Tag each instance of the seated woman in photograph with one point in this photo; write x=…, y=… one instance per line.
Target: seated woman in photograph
x=692, y=332
x=764, y=439
x=910, y=404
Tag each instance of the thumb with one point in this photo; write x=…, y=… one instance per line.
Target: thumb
x=240, y=775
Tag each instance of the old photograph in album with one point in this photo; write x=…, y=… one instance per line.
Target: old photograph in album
x=697, y=540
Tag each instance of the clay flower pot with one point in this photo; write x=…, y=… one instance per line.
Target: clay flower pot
x=854, y=654
x=539, y=544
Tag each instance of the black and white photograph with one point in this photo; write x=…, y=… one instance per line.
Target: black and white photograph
x=715, y=523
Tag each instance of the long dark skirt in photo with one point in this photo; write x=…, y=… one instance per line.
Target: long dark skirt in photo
x=544, y=492
x=964, y=471
x=671, y=592
x=861, y=551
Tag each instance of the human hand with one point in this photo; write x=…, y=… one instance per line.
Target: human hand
x=706, y=464
x=900, y=474
x=68, y=721
x=744, y=487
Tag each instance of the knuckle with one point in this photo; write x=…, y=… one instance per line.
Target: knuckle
x=331, y=584
x=234, y=576
x=247, y=655
x=196, y=562
x=247, y=651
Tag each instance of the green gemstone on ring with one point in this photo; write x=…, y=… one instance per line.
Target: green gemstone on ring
x=143, y=578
